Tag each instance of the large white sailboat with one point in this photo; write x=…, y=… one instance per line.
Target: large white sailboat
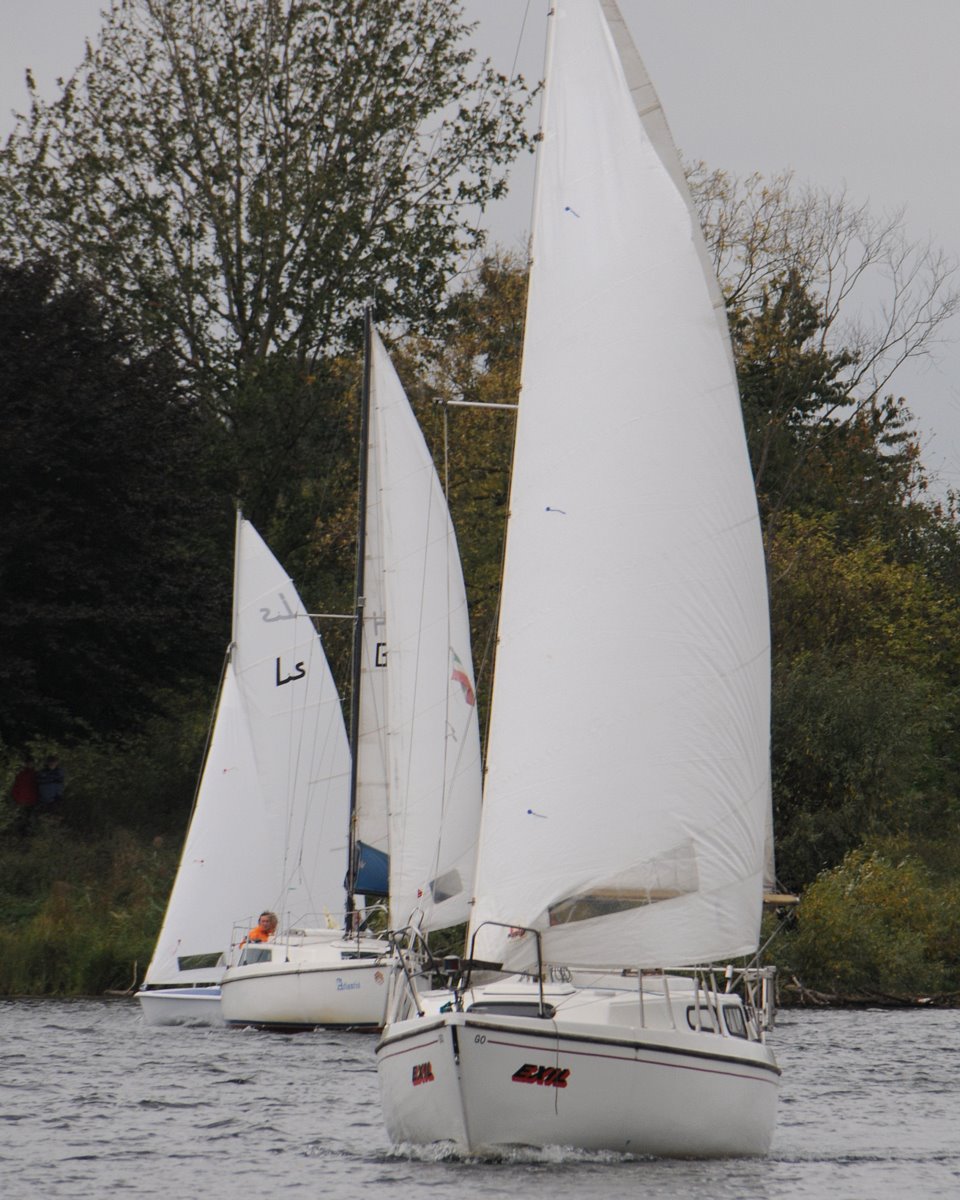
x=270, y=820
x=626, y=815
x=417, y=782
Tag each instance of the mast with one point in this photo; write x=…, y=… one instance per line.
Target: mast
x=356, y=665
x=234, y=611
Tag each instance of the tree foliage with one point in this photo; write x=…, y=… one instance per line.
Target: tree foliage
x=854, y=600
x=865, y=713
x=879, y=925
x=234, y=181
x=79, y=916
x=881, y=298
x=472, y=355
x=475, y=360
x=114, y=544
x=814, y=447
x=245, y=176
x=826, y=303
x=856, y=752
x=241, y=178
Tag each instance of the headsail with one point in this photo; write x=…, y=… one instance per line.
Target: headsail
x=627, y=800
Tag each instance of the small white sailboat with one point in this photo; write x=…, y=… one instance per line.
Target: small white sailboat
x=626, y=814
x=417, y=782
x=272, y=806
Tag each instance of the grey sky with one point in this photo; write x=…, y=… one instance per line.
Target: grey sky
x=861, y=94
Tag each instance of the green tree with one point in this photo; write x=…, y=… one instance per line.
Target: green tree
x=866, y=659
x=863, y=566
x=880, y=924
x=810, y=453
x=826, y=303
x=475, y=359
x=114, y=549
x=857, y=752
x=880, y=298
x=856, y=601
x=241, y=178
x=473, y=355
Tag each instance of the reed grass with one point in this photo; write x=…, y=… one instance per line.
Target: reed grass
x=80, y=916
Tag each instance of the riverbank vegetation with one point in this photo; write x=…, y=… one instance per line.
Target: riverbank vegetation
x=180, y=318
x=880, y=928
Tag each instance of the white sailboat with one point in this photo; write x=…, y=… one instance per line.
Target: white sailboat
x=270, y=820
x=626, y=812
x=417, y=776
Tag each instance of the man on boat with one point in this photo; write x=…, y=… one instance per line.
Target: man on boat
x=264, y=930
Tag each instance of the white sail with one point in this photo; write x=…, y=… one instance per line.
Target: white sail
x=432, y=739
x=269, y=828
x=209, y=893
x=627, y=798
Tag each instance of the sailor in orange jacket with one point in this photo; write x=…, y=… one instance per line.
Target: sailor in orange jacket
x=264, y=930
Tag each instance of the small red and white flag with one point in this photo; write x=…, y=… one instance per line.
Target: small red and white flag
x=460, y=675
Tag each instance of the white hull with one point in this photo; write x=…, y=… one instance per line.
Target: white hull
x=309, y=984
x=485, y=1081
x=181, y=1006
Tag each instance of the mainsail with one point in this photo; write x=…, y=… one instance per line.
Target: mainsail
x=626, y=808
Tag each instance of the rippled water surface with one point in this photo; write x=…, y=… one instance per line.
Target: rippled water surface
x=92, y=1101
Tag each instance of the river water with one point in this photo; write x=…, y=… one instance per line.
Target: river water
x=92, y=1101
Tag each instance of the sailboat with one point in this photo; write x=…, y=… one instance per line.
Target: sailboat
x=271, y=812
x=416, y=780
x=626, y=812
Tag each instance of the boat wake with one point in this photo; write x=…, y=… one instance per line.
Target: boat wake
x=437, y=1152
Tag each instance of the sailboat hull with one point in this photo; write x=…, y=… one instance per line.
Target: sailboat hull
x=308, y=986
x=181, y=1005
x=486, y=1084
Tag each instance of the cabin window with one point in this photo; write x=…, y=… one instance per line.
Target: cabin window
x=513, y=1008
x=255, y=954
x=445, y=887
x=194, y=962
x=733, y=1019
x=668, y=877
x=701, y=1018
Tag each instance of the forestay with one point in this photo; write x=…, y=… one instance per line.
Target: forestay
x=627, y=799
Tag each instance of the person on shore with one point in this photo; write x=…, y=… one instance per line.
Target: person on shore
x=50, y=785
x=264, y=930
x=25, y=794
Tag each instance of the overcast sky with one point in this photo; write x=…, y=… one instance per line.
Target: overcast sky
x=855, y=94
